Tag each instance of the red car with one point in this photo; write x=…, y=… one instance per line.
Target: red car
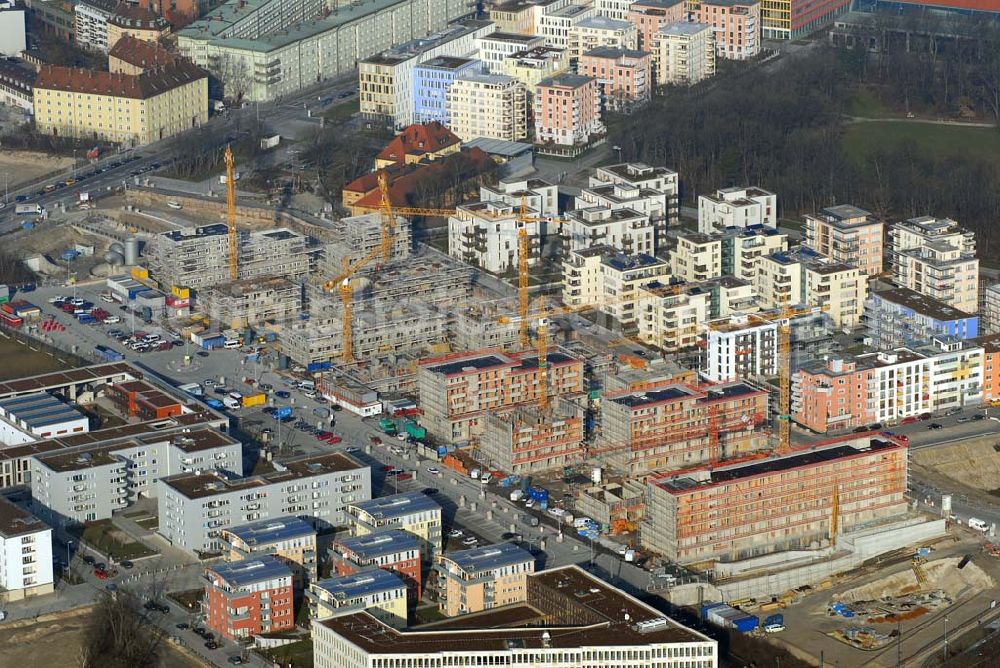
x=910, y=420
x=387, y=468
x=323, y=435
x=101, y=574
x=334, y=440
x=404, y=476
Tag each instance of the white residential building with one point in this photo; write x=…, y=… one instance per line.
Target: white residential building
x=741, y=348
x=12, y=28
x=25, y=554
x=936, y=257
x=671, y=317
x=494, y=48
x=539, y=195
x=613, y=9
x=654, y=191
x=485, y=235
x=696, y=257
x=604, y=278
x=598, y=31
x=736, y=207
x=555, y=23
x=625, y=229
x=802, y=276
x=91, y=18
x=683, y=53
x=493, y=106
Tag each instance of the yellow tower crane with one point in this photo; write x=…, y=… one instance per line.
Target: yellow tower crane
x=231, y=215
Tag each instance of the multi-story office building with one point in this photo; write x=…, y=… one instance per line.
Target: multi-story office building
x=483, y=578
x=246, y=598
x=413, y=512
x=200, y=258
x=671, y=426
x=486, y=235
x=289, y=539
x=802, y=276
x=493, y=106
x=530, y=66
x=431, y=81
x=683, y=53
x=25, y=554
x=671, y=317
x=737, y=26
x=599, y=31
x=847, y=234
x=567, y=110
x=651, y=15
x=901, y=317
x=587, y=622
x=133, y=109
x=741, y=348
x=385, y=80
x=888, y=386
x=625, y=229
x=791, y=19
x=196, y=507
x=394, y=550
x=737, y=207
x=936, y=257
x=705, y=513
x=457, y=391
x=623, y=76
x=379, y=592
x=492, y=48
x=555, y=23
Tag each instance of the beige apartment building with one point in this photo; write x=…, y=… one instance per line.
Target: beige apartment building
x=847, y=234
x=137, y=22
x=483, y=578
x=530, y=66
x=697, y=257
x=611, y=281
x=935, y=257
x=493, y=106
x=671, y=317
x=737, y=26
x=597, y=31
x=683, y=53
x=132, y=109
x=801, y=276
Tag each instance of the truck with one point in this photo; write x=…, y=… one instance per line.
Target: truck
x=28, y=210
x=387, y=426
x=194, y=389
x=108, y=355
x=729, y=617
x=415, y=430
x=255, y=399
x=516, y=495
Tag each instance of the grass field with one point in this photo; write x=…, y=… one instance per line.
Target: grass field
x=863, y=138
x=20, y=360
x=341, y=112
x=103, y=537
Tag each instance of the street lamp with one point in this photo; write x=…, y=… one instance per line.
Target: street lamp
x=619, y=149
x=946, y=638
x=69, y=544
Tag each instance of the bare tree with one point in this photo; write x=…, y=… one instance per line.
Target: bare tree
x=120, y=634
x=235, y=76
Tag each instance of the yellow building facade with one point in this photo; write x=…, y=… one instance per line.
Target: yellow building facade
x=120, y=108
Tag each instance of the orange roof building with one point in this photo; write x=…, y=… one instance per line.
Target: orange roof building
x=131, y=55
x=419, y=143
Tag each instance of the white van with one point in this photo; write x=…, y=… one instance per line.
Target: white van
x=307, y=385
x=231, y=403
x=231, y=344
x=485, y=478
x=174, y=205
x=977, y=524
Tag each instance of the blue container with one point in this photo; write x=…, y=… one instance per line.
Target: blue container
x=745, y=624
x=316, y=367
x=442, y=450
x=27, y=226
x=539, y=494
x=282, y=413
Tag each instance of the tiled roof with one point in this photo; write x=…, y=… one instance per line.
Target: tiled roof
x=141, y=86
x=419, y=139
x=141, y=53
x=404, y=185
x=138, y=18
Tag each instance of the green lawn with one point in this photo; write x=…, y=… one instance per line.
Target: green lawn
x=343, y=111
x=865, y=104
x=862, y=138
x=298, y=654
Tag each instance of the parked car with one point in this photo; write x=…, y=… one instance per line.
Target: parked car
x=455, y=533
x=282, y=394
x=935, y=425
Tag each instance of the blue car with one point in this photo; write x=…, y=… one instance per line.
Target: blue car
x=282, y=394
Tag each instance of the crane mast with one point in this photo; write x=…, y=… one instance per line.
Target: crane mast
x=231, y=215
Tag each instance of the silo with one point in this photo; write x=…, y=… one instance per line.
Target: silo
x=131, y=251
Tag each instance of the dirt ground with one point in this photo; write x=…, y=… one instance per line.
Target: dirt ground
x=941, y=574
x=974, y=462
x=56, y=642
x=23, y=166
x=20, y=360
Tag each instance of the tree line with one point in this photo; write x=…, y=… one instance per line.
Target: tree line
x=782, y=129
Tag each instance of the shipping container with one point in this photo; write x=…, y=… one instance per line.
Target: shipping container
x=10, y=321
x=28, y=209
x=108, y=355
x=258, y=399
x=316, y=367
x=729, y=617
x=415, y=430
x=140, y=273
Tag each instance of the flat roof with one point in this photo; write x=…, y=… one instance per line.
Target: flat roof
x=396, y=505
x=252, y=571
x=265, y=532
x=922, y=304
x=601, y=616
x=200, y=485
x=38, y=410
x=363, y=583
x=378, y=543
x=58, y=379
x=489, y=557
x=566, y=80
x=516, y=37
x=472, y=363
x=684, y=28
x=502, y=147
x=623, y=262
x=15, y=521
x=647, y=397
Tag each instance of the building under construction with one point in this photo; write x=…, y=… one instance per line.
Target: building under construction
x=404, y=328
x=458, y=391
x=529, y=440
x=796, y=501
x=673, y=426
x=199, y=257
x=484, y=325
x=253, y=301
x=357, y=236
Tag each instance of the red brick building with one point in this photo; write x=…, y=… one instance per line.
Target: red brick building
x=138, y=398
x=391, y=549
x=245, y=598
